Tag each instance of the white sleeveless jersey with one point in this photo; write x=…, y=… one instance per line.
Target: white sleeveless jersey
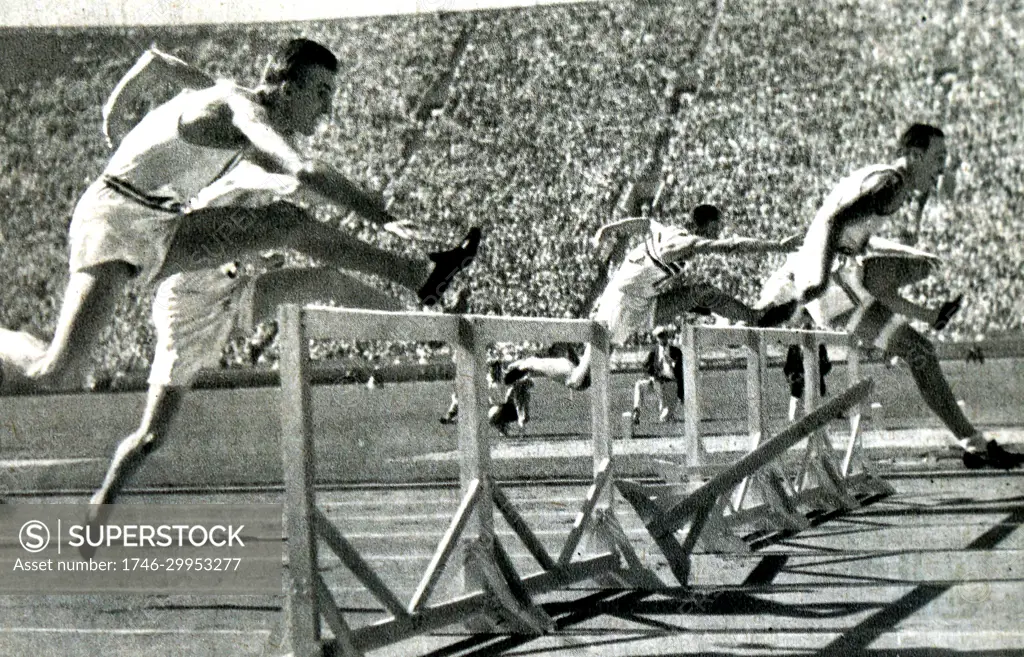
x=862, y=181
x=644, y=267
x=155, y=160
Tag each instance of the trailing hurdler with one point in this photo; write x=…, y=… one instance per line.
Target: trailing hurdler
x=650, y=286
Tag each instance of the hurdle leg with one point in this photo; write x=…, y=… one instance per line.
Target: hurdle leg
x=665, y=515
x=474, y=445
x=717, y=535
x=303, y=609
x=756, y=412
x=823, y=467
x=635, y=574
x=605, y=533
x=780, y=499
x=600, y=498
x=857, y=412
x=866, y=483
x=691, y=398
x=600, y=412
x=648, y=510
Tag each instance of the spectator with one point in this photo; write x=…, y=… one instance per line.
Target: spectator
x=794, y=371
x=664, y=367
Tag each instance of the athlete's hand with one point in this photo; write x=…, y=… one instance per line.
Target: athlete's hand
x=405, y=229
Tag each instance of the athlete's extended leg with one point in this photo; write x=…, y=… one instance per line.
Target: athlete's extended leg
x=89, y=301
x=162, y=404
x=640, y=390
x=211, y=236
x=304, y=286
x=885, y=275
x=574, y=374
x=556, y=369
x=919, y=354
x=937, y=318
x=702, y=298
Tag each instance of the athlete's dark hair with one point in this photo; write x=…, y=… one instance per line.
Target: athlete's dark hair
x=705, y=214
x=919, y=136
x=294, y=57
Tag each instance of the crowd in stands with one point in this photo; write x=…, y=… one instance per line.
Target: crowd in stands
x=549, y=113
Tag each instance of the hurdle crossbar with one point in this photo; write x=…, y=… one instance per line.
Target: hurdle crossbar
x=765, y=453
x=824, y=483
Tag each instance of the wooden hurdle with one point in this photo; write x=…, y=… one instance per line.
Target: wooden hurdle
x=755, y=342
x=495, y=596
x=699, y=514
x=771, y=499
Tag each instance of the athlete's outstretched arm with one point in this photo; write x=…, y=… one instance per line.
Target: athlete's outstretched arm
x=152, y=64
x=628, y=226
x=272, y=150
x=691, y=245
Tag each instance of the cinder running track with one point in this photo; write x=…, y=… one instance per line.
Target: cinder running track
x=936, y=570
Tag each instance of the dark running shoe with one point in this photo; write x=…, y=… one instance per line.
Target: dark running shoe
x=447, y=264
x=513, y=374
x=994, y=457
x=947, y=311
x=777, y=315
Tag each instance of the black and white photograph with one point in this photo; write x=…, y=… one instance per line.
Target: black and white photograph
x=465, y=328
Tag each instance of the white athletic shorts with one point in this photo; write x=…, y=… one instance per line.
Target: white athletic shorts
x=196, y=312
x=623, y=313
x=837, y=301
x=629, y=302
x=107, y=226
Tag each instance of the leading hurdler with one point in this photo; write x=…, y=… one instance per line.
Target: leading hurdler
x=849, y=278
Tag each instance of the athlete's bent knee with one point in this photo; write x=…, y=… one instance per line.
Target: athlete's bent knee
x=915, y=349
